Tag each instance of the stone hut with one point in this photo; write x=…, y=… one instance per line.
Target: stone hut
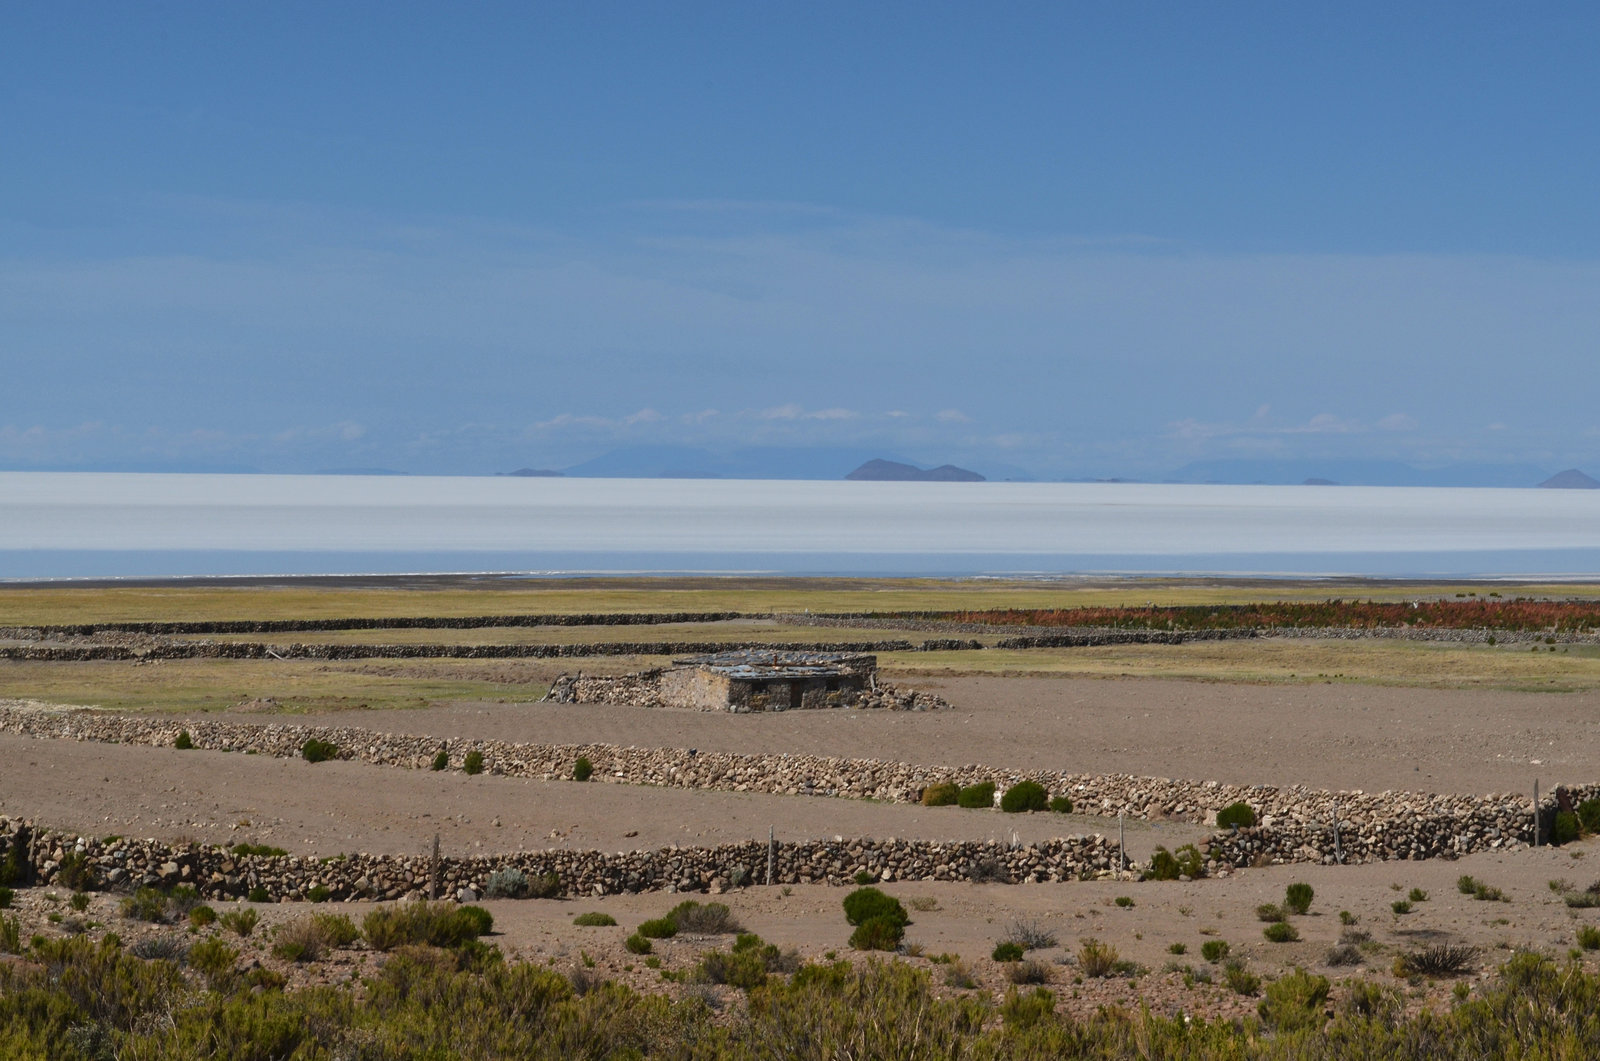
x=756, y=679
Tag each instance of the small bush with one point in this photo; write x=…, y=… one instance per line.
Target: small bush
x=1031, y=935
x=319, y=893
x=545, y=886
x=956, y=974
x=1347, y=918
x=1178, y=948
x=183, y=742
x=482, y=921
x=594, y=919
x=704, y=919
x=1061, y=804
x=862, y=877
x=582, y=770
x=1295, y=1002
x=1589, y=815
x=258, y=894
x=441, y=761
x=1096, y=959
x=1589, y=937
x=214, y=960
x=658, y=928
x=507, y=883
x=864, y=903
x=201, y=916
x=1007, y=952
x=1281, y=932
x=1417, y=895
x=75, y=872
x=301, y=942
x=1124, y=901
x=6, y=895
x=1439, y=960
x=318, y=751
x=1566, y=828
x=1401, y=906
x=1166, y=865
x=10, y=936
x=1236, y=815
x=337, y=929
x=1024, y=796
x=434, y=924
x=1467, y=884
x=880, y=932
x=79, y=901
x=260, y=850
x=1271, y=912
x=943, y=794
x=1028, y=972
x=976, y=797
x=1214, y=950
x=240, y=922
x=1370, y=1000
x=637, y=944
x=1297, y=897
x=146, y=904
x=1344, y=954
x=1240, y=979
x=472, y=763
x=161, y=949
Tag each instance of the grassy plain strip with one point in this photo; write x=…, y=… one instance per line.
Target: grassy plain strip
x=22, y=606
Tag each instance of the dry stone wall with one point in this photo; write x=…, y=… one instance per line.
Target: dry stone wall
x=1296, y=824
x=258, y=650
x=221, y=874
x=274, y=626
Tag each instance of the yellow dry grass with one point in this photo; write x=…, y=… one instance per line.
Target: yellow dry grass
x=1290, y=660
x=87, y=604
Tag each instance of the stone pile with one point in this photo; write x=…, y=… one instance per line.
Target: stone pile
x=1294, y=823
x=641, y=690
x=218, y=873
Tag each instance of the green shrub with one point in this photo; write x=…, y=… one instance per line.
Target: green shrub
x=241, y=922
x=658, y=928
x=880, y=932
x=582, y=770
x=1417, y=895
x=6, y=895
x=201, y=916
x=1271, y=912
x=183, y=742
x=865, y=903
x=1281, y=932
x=1024, y=796
x=506, y=883
x=1096, y=959
x=260, y=850
x=1124, y=901
x=637, y=944
x=75, y=872
x=1178, y=948
x=1008, y=952
x=1166, y=865
x=318, y=751
x=319, y=893
x=976, y=797
x=1236, y=815
x=481, y=919
x=1438, y=960
x=1466, y=884
x=1589, y=815
x=1566, y=828
x=441, y=761
x=1061, y=804
x=146, y=904
x=545, y=886
x=1297, y=897
x=943, y=794
x=14, y=866
x=705, y=919
x=1589, y=937
x=10, y=935
x=472, y=762
x=79, y=901
x=594, y=919
x=1401, y=906
x=258, y=894
x=1214, y=950
x=214, y=960
x=1240, y=979
x=863, y=878
x=1295, y=1002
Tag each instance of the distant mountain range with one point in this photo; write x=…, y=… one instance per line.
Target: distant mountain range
x=751, y=462
x=882, y=471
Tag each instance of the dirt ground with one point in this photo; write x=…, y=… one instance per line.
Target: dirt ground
x=1322, y=735
x=1325, y=736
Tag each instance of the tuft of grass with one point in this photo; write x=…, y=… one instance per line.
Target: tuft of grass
x=1417, y=895
x=240, y=922
x=1439, y=960
x=1240, y=979
x=1096, y=959
x=1589, y=937
x=1401, y=906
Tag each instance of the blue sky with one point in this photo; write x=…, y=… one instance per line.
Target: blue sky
x=1065, y=240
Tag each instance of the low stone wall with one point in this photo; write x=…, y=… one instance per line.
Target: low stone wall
x=220, y=874
x=276, y=626
x=1295, y=824
x=259, y=650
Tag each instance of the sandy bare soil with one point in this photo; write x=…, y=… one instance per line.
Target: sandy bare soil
x=1325, y=736
x=333, y=807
